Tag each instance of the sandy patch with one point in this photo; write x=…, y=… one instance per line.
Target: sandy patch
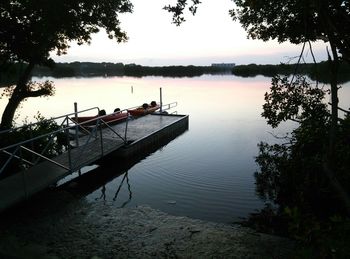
x=77, y=229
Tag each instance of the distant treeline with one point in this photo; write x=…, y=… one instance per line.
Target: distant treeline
x=89, y=69
x=119, y=69
x=10, y=73
x=319, y=71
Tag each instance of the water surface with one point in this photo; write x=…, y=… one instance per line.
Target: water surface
x=205, y=173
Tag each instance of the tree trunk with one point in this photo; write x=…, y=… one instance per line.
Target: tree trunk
x=337, y=186
x=334, y=66
x=19, y=94
x=9, y=113
x=329, y=160
x=329, y=164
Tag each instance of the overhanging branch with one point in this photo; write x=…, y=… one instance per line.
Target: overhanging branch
x=37, y=93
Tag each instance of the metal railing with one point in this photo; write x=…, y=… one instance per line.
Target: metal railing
x=76, y=134
x=89, y=131
x=166, y=107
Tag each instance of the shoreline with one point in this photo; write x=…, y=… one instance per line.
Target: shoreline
x=58, y=225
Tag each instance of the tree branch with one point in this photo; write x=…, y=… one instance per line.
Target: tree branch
x=341, y=109
x=297, y=65
x=37, y=93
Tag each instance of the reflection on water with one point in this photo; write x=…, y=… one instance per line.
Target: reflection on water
x=111, y=177
x=208, y=171
x=103, y=191
x=103, y=194
x=129, y=190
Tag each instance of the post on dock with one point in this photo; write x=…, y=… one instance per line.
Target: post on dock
x=76, y=129
x=161, y=100
x=76, y=124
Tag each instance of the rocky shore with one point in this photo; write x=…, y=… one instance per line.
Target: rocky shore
x=70, y=227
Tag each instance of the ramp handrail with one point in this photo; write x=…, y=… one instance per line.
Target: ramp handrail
x=99, y=123
x=46, y=158
x=90, y=128
x=50, y=119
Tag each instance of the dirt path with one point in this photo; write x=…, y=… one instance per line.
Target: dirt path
x=77, y=229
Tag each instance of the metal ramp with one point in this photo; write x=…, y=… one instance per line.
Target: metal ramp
x=20, y=186
x=41, y=171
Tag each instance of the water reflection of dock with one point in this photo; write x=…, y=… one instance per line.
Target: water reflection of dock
x=111, y=167
x=142, y=134
x=103, y=191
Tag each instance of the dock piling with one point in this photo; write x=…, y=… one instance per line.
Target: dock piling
x=161, y=100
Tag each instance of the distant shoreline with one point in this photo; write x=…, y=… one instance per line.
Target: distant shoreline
x=89, y=69
x=319, y=71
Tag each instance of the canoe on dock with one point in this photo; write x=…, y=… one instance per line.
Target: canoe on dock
x=111, y=118
x=144, y=109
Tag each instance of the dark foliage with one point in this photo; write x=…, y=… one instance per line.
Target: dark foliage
x=319, y=71
x=91, y=69
x=297, y=166
x=49, y=146
x=31, y=30
x=178, y=10
x=292, y=175
x=172, y=71
x=297, y=21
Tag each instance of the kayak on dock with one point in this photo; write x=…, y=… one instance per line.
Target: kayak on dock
x=144, y=109
x=111, y=118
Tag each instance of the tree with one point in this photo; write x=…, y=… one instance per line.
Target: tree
x=292, y=174
x=179, y=8
x=301, y=21
x=30, y=30
x=297, y=21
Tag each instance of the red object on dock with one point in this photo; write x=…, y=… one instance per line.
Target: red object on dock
x=140, y=111
x=112, y=118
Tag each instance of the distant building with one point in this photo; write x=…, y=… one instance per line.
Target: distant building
x=223, y=65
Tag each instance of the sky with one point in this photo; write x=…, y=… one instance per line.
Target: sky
x=208, y=37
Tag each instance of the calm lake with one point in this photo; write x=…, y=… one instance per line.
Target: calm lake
x=207, y=172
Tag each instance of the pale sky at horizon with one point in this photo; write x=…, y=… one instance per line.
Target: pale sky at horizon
x=209, y=37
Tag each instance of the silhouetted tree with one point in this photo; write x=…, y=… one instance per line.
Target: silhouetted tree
x=30, y=30
x=299, y=22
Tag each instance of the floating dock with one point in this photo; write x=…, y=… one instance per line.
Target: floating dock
x=140, y=134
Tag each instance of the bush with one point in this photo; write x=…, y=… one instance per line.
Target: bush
x=49, y=146
x=292, y=175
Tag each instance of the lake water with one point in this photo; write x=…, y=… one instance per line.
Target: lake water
x=205, y=173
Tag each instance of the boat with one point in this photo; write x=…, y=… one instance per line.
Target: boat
x=111, y=118
x=144, y=109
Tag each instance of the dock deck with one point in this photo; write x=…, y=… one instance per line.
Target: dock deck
x=141, y=132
